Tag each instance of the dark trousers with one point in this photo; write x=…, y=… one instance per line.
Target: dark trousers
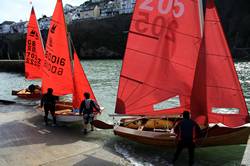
x=51, y=109
x=185, y=144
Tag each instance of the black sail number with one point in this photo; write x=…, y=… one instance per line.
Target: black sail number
x=143, y=25
x=54, y=64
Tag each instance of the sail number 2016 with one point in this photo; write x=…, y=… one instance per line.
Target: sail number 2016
x=163, y=8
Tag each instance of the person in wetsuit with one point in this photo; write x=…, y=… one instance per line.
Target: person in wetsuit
x=49, y=102
x=31, y=88
x=87, y=108
x=187, y=131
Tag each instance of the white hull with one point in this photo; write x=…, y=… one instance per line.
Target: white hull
x=62, y=118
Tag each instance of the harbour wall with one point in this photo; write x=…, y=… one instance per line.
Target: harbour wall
x=16, y=66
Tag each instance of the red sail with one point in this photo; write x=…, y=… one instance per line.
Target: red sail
x=34, y=49
x=161, y=56
x=81, y=83
x=216, y=85
x=57, y=63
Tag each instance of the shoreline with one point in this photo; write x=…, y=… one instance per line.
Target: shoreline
x=26, y=141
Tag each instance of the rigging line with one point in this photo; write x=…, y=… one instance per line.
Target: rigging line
x=166, y=59
x=142, y=34
x=220, y=87
x=181, y=33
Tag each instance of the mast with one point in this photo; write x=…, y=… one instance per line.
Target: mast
x=201, y=14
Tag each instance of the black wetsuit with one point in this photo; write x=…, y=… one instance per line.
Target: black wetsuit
x=32, y=88
x=187, y=131
x=49, y=103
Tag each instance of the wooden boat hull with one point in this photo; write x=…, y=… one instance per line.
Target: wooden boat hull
x=28, y=96
x=216, y=136
x=62, y=105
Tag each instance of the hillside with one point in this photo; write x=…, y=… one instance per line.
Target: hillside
x=103, y=39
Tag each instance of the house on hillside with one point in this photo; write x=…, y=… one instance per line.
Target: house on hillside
x=90, y=10
x=110, y=8
x=20, y=27
x=44, y=22
x=126, y=6
x=5, y=26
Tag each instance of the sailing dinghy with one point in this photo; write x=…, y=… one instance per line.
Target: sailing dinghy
x=33, y=59
x=167, y=57
x=60, y=73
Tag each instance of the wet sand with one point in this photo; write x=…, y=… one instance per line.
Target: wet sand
x=24, y=140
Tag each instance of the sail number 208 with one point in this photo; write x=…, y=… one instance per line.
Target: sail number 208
x=164, y=8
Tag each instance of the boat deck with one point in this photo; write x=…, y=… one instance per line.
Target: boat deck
x=24, y=140
x=246, y=157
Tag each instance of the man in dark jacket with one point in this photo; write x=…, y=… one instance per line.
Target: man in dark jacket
x=87, y=108
x=49, y=103
x=187, y=131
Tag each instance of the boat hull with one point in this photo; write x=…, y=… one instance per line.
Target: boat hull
x=27, y=96
x=216, y=136
x=63, y=115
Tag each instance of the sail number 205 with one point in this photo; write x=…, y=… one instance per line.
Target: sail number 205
x=164, y=6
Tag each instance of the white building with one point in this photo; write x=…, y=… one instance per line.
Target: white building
x=44, y=22
x=68, y=8
x=90, y=10
x=5, y=26
x=20, y=27
x=111, y=8
x=126, y=6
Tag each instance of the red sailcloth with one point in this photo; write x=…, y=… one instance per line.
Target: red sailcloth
x=57, y=73
x=216, y=85
x=160, y=57
x=81, y=83
x=34, y=55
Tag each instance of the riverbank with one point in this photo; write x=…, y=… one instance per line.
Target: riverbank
x=25, y=141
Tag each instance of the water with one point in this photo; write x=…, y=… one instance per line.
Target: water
x=104, y=76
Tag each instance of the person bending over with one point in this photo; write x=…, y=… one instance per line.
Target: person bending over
x=87, y=108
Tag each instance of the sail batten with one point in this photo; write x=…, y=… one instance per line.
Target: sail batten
x=162, y=58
